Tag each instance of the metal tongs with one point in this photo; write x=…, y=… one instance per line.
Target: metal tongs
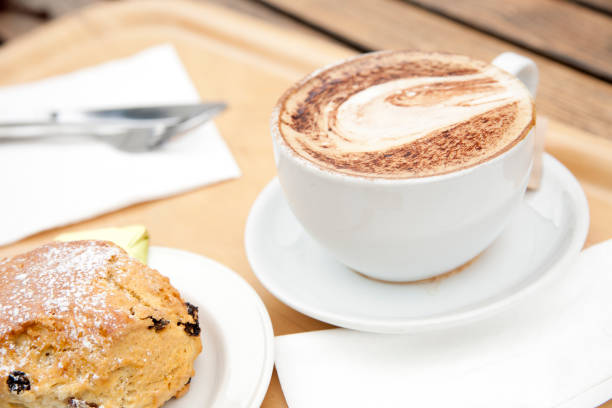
x=132, y=129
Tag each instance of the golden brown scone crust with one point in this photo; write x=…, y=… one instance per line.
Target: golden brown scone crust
x=82, y=324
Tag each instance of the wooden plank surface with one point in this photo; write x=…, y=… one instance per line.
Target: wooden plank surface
x=14, y=24
x=260, y=11
x=603, y=6
x=563, y=31
x=564, y=94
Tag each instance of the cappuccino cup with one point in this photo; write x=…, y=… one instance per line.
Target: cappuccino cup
x=407, y=165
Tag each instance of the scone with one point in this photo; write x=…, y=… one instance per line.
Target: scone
x=84, y=325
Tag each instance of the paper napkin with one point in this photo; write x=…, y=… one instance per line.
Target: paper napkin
x=554, y=350
x=49, y=183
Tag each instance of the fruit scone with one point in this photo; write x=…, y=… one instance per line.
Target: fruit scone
x=82, y=325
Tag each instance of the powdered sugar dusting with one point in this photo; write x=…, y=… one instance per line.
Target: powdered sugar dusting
x=62, y=286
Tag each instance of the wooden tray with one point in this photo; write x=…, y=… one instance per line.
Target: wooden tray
x=247, y=63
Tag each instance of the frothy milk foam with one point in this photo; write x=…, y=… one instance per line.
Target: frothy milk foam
x=404, y=114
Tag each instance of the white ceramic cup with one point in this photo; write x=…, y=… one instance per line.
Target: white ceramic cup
x=409, y=229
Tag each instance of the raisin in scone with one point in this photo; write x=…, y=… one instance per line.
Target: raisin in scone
x=84, y=325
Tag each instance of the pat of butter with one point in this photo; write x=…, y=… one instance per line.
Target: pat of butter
x=134, y=239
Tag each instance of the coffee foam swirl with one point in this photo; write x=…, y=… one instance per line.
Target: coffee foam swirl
x=404, y=114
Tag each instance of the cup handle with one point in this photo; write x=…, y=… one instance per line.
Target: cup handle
x=521, y=67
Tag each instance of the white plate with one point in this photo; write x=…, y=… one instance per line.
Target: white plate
x=235, y=366
x=545, y=234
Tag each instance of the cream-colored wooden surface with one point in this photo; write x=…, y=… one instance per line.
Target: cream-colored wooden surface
x=248, y=64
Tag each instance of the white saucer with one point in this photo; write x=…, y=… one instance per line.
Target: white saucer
x=235, y=366
x=545, y=234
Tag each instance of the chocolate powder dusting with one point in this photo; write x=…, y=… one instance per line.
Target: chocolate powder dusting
x=309, y=114
x=453, y=147
x=326, y=86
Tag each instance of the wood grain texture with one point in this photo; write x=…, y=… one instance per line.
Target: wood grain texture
x=260, y=11
x=604, y=6
x=14, y=24
x=563, y=31
x=564, y=94
x=50, y=8
x=249, y=68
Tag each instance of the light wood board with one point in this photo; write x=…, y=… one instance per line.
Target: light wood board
x=561, y=30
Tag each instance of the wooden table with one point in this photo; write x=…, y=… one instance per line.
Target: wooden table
x=568, y=40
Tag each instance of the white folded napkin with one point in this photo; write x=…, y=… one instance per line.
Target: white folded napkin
x=49, y=183
x=554, y=350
